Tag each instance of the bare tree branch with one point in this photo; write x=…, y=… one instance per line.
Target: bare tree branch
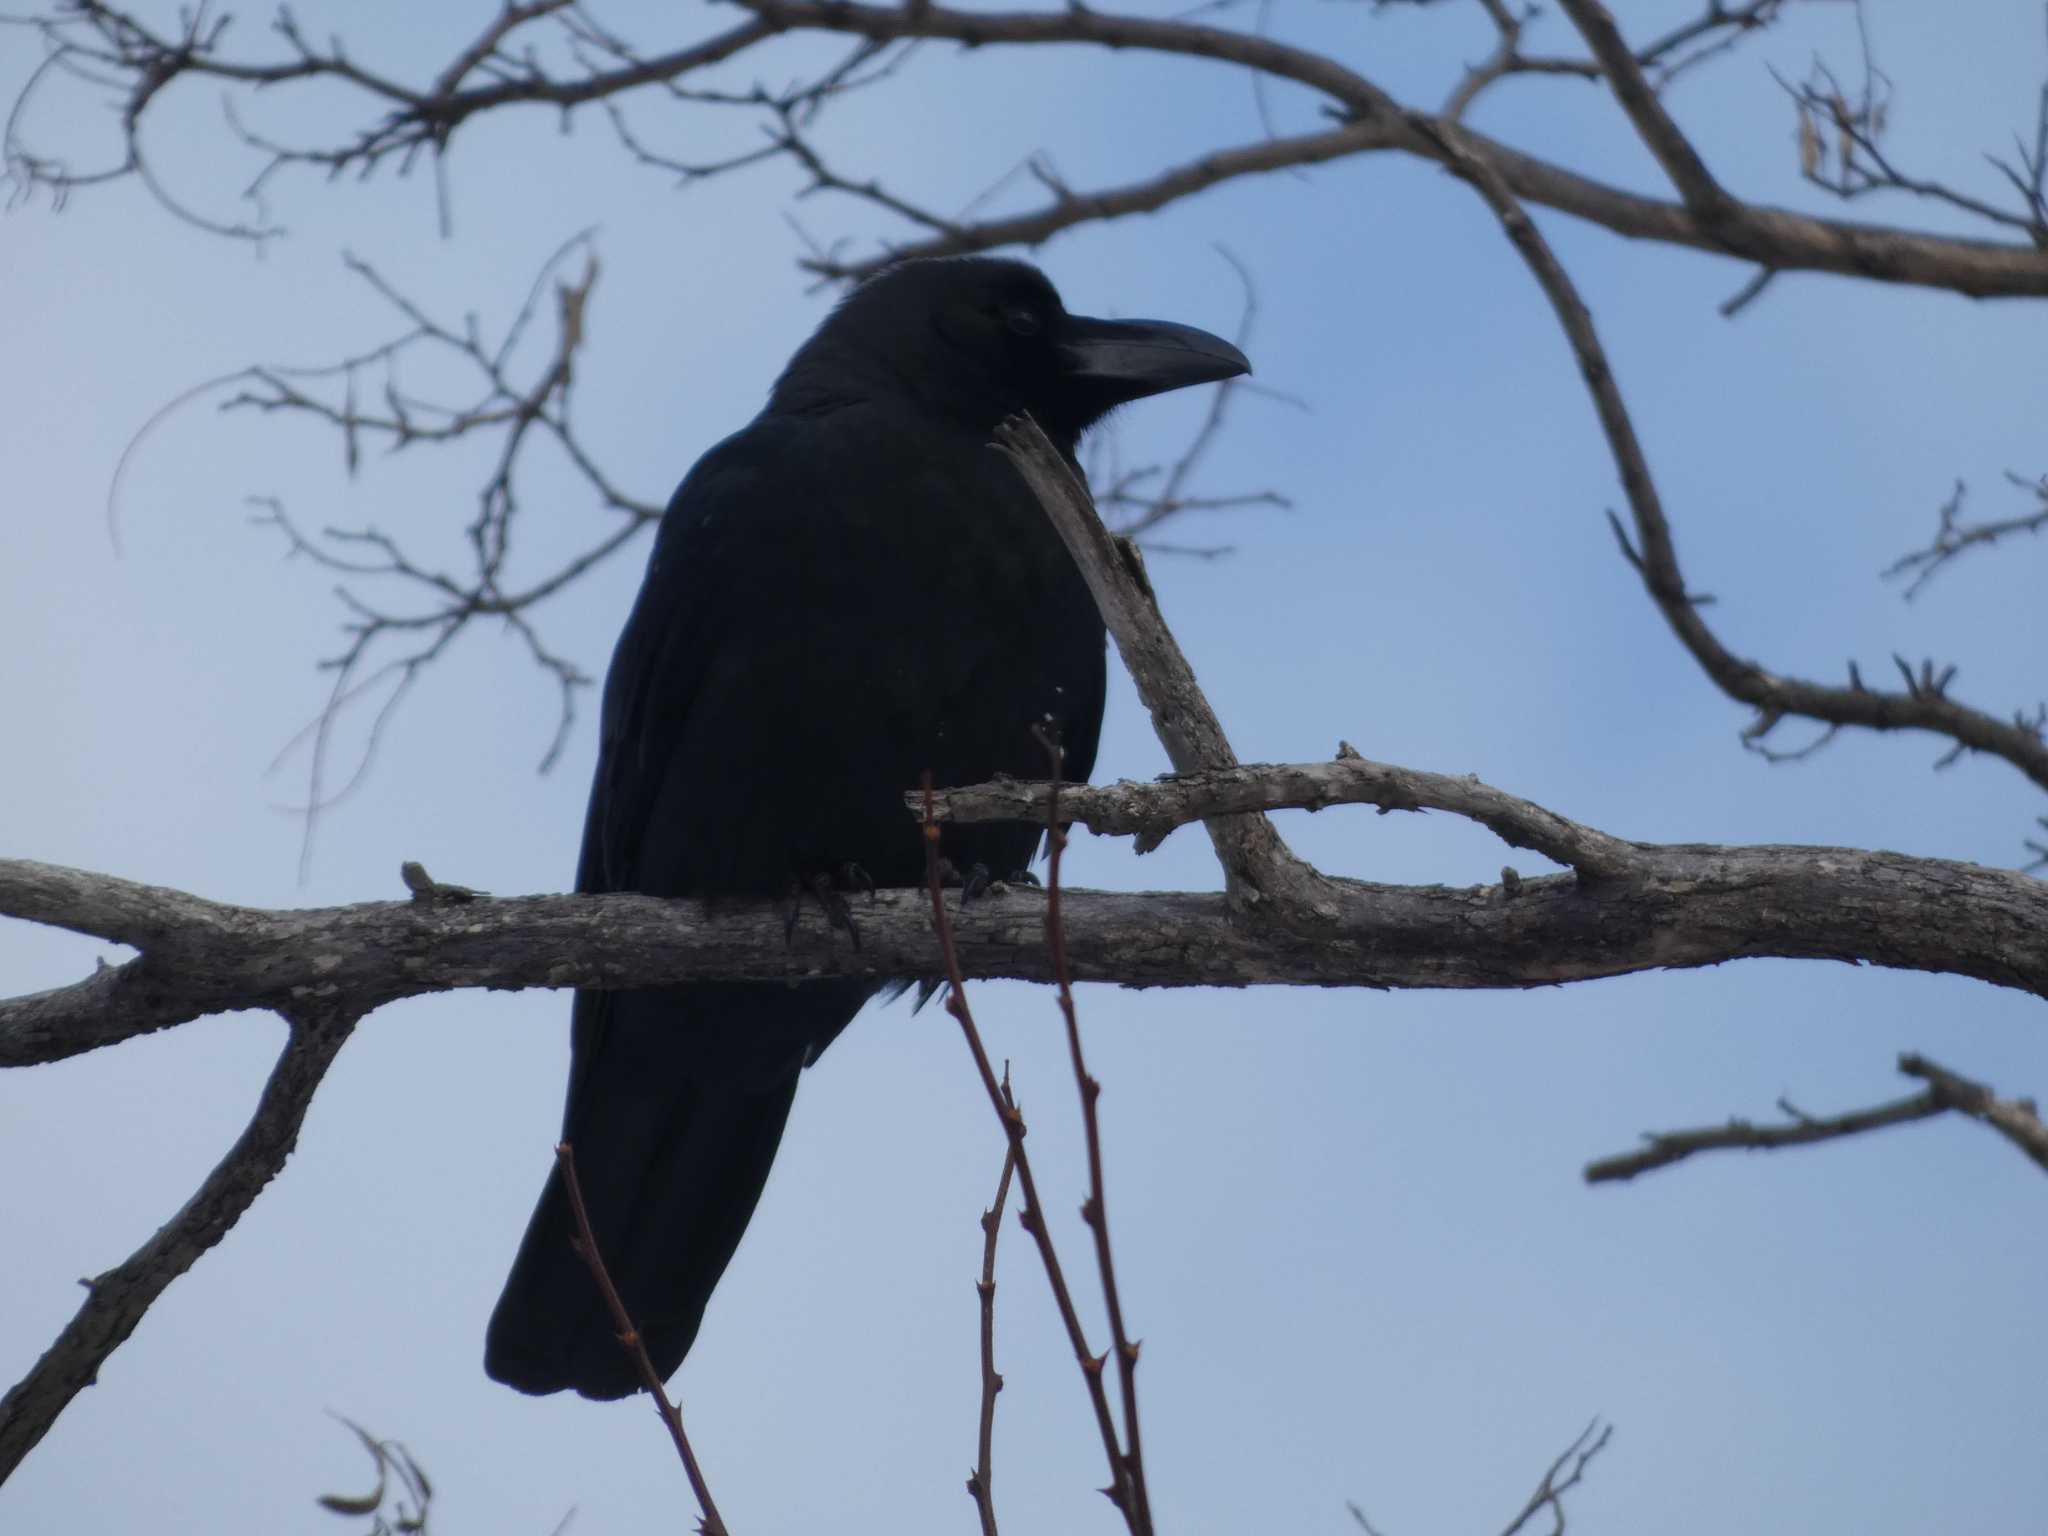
x=1148, y=812
x=1856, y=164
x=1954, y=537
x=99, y=42
x=1771, y=237
x=116, y=1300
x=401, y=613
x=1258, y=868
x=1139, y=513
x=1661, y=1149
x=1924, y=705
x=2017, y=1120
x=1688, y=173
x=1677, y=906
x=1550, y=1492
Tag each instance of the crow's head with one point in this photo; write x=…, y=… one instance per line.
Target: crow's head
x=976, y=338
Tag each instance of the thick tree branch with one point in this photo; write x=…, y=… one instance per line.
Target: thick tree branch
x=1676, y=906
x=116, y=1301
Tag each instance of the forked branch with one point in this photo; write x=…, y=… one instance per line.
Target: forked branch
x=1924, y=705
x=116, y=1300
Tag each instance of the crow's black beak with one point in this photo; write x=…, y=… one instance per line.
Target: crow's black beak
x=1131, y=359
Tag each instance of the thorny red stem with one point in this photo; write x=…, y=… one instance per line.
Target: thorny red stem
x=585, y=1245
x=979, y=1485
x=1032, y=1215
x=1096, y=1210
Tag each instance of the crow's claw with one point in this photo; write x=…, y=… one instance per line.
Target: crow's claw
x=1021, y=877
x=977, y=882
x=851, y=876
x=837, y=912
x=825, y=890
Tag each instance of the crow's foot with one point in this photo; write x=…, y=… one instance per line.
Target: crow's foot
x=826, y=891
x=980, y=882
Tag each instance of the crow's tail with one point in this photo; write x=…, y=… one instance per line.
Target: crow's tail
x=677, y=1099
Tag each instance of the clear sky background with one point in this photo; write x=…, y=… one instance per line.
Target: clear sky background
x=1351, y=1225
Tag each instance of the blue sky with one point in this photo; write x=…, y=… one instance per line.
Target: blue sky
x=1351, y=1225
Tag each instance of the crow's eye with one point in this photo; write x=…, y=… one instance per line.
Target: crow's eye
x=1022, y=321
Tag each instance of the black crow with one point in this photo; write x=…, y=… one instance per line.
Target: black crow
x=851, y=590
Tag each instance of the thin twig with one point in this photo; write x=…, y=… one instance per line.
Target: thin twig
x=1032, y=1216
x=1661, y=1149
x=1954, y=537
x=981, y=1481
x=1095, y=1211
x=585, y=1244
x=1550, y=1492
x=2017, y=1120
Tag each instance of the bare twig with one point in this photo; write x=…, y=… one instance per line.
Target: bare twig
x=1661, y=1149
x=585, y=1244
x=1550, y=1492
x=1095, y=1210
x=1032, y=1215
x=401, y=615
x=1144, y=513
x=981, y=1481
x=2017, y=1120
x=1841, y=147
x=1954, y=537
